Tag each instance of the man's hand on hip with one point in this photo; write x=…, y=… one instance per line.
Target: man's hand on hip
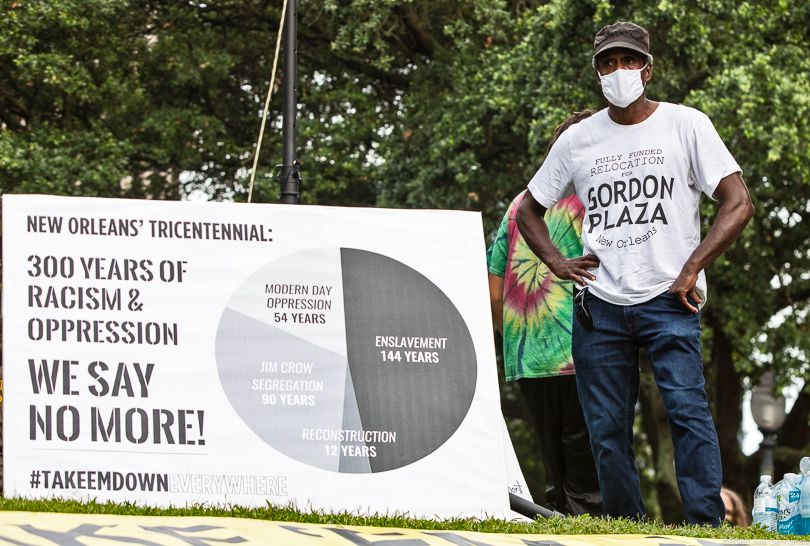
x=684, y=286
x=535, y=231
x=575, y=269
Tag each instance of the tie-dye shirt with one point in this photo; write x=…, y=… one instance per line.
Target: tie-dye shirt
x=537, y=306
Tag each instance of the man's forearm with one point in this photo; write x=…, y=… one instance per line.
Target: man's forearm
x=534, y=230
x=496, y=300
x=736, y=210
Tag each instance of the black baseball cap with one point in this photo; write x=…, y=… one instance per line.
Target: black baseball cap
x=622, y=34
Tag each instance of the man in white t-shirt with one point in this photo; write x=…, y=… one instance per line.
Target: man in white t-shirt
x=639, y=167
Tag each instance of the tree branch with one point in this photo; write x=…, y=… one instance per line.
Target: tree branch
x=425, y=41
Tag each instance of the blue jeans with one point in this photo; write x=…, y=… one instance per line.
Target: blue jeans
x=607, y=364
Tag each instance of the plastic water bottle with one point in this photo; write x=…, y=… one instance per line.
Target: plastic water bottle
x=765, y=510
x=787, y=502
x=804, y=510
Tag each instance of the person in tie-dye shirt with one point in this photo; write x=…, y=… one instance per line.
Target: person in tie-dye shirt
x=533, y=310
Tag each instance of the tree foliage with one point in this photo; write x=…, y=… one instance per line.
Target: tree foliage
x=430, y=104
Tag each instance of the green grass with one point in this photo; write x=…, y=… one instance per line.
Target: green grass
x=582, y=525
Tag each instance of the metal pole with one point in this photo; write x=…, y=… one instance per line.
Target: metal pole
x=766, y=447
x=290, y=175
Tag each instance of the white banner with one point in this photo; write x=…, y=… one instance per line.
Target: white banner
x=174, y=353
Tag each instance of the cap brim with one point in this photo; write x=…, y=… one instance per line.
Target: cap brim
x=619, y=43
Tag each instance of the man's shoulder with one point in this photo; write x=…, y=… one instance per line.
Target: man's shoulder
x=584, y=130
x=681, y=111
x=590, y=122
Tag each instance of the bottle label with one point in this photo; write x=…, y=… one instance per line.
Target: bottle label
x=764, y=505
x=793, y=496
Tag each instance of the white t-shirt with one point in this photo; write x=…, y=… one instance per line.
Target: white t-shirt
x=641, y=186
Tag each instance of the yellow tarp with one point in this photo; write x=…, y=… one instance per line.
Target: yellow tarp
x=47, y=529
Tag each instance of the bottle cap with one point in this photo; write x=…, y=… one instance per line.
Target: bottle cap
x=765, y=477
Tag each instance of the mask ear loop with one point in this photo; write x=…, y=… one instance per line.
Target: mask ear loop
x=648, y=63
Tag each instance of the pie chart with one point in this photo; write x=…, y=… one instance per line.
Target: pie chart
x=346, y=360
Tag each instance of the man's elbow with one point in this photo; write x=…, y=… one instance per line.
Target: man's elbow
x=733, y=192
x=750, y=210
x=746, y=210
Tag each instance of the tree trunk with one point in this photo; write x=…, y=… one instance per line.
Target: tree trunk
x=795, y=432
x=728, y=394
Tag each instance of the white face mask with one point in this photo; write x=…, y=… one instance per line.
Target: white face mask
x=622, y=87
